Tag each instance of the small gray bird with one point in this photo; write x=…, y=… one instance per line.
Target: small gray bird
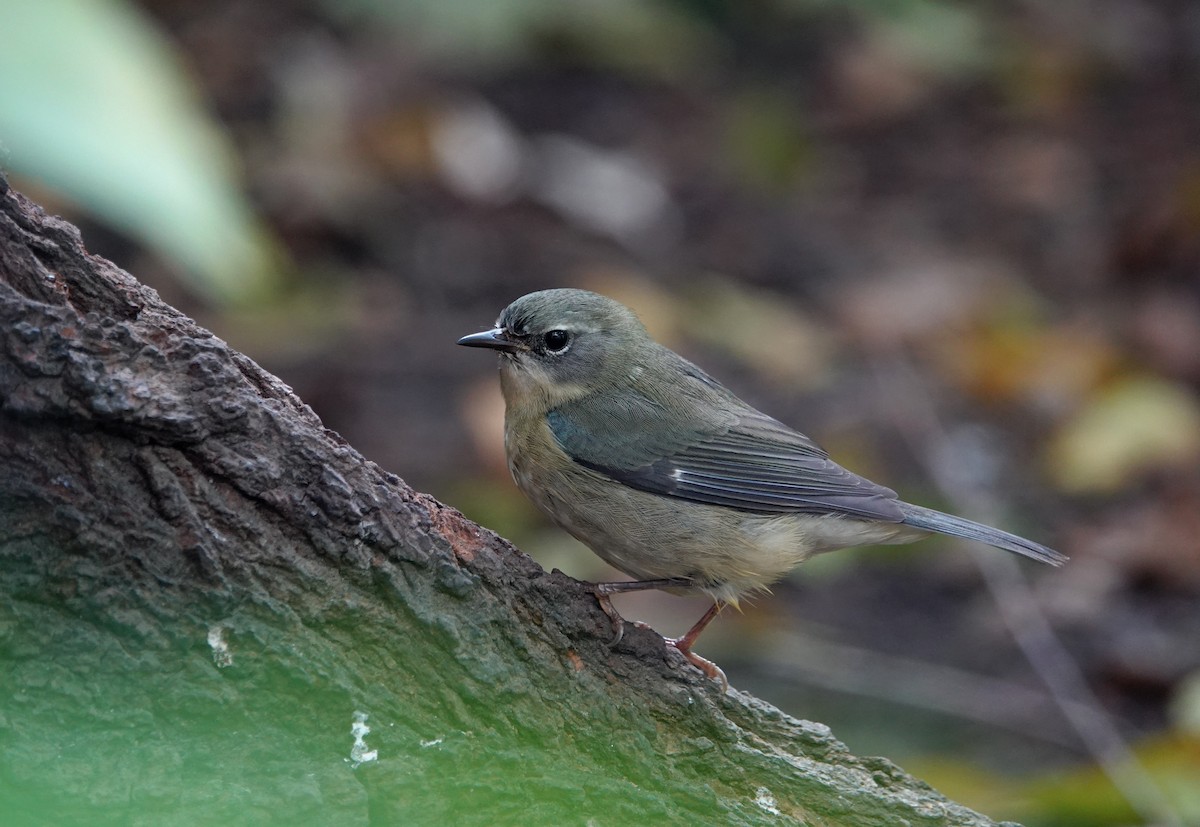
x=668, y=476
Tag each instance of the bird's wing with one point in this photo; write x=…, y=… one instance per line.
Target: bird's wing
x=738, y=458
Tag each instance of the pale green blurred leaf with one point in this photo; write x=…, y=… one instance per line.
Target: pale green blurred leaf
x=1185, y=706
x=945, y=38
x=652, y=37
x=941, y=36
x=96, y=107
x=1135, y=425
x=733, y=318
x=768, y=142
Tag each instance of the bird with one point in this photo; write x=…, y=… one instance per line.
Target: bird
x=667, y=475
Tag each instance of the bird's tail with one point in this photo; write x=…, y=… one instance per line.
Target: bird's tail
x=927, y=519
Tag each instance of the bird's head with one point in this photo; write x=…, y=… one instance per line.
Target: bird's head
x=559, y=345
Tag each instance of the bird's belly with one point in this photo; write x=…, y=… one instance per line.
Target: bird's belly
x=726, y=552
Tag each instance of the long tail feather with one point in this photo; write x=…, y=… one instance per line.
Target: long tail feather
x=929, y=520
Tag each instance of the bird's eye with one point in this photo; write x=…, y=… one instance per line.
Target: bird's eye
x=556, y=340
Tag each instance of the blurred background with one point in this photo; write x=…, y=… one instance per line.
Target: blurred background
x=958, y=243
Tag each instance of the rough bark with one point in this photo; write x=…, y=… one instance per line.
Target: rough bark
x=162, y=498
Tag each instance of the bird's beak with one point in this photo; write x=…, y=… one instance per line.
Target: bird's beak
x=496, y=339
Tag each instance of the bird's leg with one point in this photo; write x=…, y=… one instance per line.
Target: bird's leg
x=684, y=645
x=603, y=590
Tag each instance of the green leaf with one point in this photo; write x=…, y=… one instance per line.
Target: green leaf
x=1135, y=425
x=97, y=108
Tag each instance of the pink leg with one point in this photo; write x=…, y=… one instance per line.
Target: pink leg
x=684, y=645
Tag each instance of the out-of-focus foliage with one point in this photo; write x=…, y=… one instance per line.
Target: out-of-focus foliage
x=938, y=36
x=96, y=107
x=1138, y=424
x=1079, y=797
x=834, y=206
x=1185, y=709
x=1088, y=797
x=645, y=36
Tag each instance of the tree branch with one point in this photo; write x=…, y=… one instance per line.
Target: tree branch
x=201, y=586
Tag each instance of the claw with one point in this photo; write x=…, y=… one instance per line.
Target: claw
x=710, y=669
x=683, y=644
x=603, y=590
x=618, y=622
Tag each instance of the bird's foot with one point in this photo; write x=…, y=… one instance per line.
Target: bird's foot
x=710, y=669
x=684, y=645
x=604, y=590
x=618, y=622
